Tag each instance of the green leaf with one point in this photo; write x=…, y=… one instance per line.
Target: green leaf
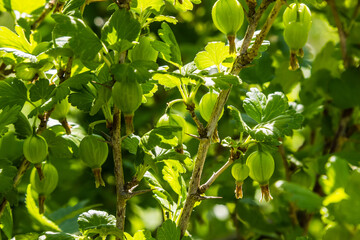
x=59, y=147
x=162, y=18
x=215, y=53
x=224, y=81
x=161, y=136
x=131, y=143
x=11, y=148
x=172, y=175
x=41, y=90
x=9, y=39
x=22, y=126
x=337, y=173
x=273, y=114
x=261, y=71
x=169, y=49
x=98, y=222
x=26, y=7
x=186, y=5
x=6, y=220
x=240, y=124
x=81, y=39
x=120, y=30
x=301, y=196
x=160, y=194
x=27, y=236
x=57, y=236
x=143, y=5
x=102, y=98
x=72, y=5
x=168, y=230
x=143, y=235
x=137, y=70
x=12, y=92
x=82, y=100
x=8, y=116
x=345, y=90
x=167, y=80
x=33, y=210
x=7, y=174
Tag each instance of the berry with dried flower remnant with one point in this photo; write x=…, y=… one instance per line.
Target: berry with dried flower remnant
x=228, y=17
x=240, y=172
x=93, y=151
x=262, y=166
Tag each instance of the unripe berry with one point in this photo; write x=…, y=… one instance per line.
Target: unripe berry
x=228, y=17
x=127, y=96
x=175, y=121
x=207, y=104
x=93, y=151
x=240, y=172
x=297, y=13
x=35, y=149
x=262, y=167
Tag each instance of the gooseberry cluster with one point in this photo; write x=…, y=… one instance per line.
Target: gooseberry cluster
x=260, y=167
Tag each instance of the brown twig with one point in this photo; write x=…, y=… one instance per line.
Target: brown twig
x=48, y=8
x=342, y=34
x=200, y=126
x=233, y=156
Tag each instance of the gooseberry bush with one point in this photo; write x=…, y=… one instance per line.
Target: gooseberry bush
x=179, y=119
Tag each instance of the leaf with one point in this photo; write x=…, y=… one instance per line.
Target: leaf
x=7, y=174
x=337, y=173
x=168, y=230
x=8, y=116
x=33, y=210
x=172, y=174
x=240, y=124
x=41, y=90
x=57, y=236
x=167, y=80
x=27, y=7
x=345, y=90
x=22, y=126
x=273, y=114
x=11, y=148
x=6, y=220
x=72, y=5
x=59, y=147
x=81, y=39
x=261, y=71
x=160, y=136
x=12, y=92
x=224, y=81
x=143, y=5
x=27, y=236
x=9, y=39
x=143, y=235
x=120, y=30
x=162, y=18
x=168, y=49
x=102, y=98
x=82, y=100
x=137, y=70
x=301, y=196
x=131, y=143
x=20, y=54
x=98, y=222
x=160, y=194
x=215, y=53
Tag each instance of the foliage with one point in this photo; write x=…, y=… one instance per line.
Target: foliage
x=172, y=180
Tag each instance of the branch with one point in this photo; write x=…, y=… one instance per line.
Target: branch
x=233, y=156
x=48, y=8
x=194, y=185
x=200, y=126
x=342, y=34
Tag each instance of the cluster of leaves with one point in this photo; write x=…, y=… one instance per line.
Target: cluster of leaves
x=311, y=181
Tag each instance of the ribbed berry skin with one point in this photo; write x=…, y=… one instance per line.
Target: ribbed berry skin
x=93, y=151
x=207, y=104
x=261, y=166
x=48, y=184
x=240, y=172
x=127, y=96
x=176, y=121
x=228, y=16
x=35, y=149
